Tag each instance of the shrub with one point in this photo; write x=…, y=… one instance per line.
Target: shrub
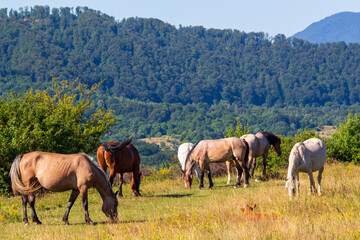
x=345, y=142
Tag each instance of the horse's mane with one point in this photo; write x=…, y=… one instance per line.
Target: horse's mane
x=293, y=161
x=189, y=154
x=113, y=149
x=93, y=163
x=272, y=138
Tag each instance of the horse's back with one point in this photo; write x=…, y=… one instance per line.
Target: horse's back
x=255, y=149
x=317, y=150
x=221, y=150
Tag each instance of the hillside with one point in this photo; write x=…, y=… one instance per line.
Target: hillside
x=188, y=82
x=342, y=26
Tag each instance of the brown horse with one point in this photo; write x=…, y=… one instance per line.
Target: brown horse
x=259, y=145
x=217, y=151
x=121, y=158
x=58, y=173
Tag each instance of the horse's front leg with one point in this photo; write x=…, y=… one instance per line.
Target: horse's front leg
x=85, y=203
x=312, y=182
x=73, y=196
x=319, y=180
x=252, y=165
x=31, y=200
x=121, y=182
x=265, y=156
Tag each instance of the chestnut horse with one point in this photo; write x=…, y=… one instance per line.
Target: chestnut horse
x=259, y=145
x=217, y=151
x=58, y=173
x=121, y=158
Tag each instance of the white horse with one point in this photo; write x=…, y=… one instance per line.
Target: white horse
x=308, y=157
x=183, y=151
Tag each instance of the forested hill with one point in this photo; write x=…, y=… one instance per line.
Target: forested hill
x=189, y=81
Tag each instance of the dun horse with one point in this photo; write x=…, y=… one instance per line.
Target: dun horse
x=308, y=157
x=217, y=151
x=259, y=146
x=121, y=158
x=58, y=173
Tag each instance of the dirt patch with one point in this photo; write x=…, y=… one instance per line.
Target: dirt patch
x=326, y=131
x=171, y=142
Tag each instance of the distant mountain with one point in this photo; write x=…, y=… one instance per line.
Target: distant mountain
x=344, y=26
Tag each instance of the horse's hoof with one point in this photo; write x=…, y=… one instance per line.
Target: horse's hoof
x=91, y=223
x=246, y=185
x=26, y=224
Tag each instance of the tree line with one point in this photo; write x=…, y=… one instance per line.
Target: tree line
x=181, y=78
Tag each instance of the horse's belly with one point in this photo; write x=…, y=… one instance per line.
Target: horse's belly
x=58, y=184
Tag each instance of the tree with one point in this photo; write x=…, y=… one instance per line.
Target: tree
x=345, y=142
x=62, y=122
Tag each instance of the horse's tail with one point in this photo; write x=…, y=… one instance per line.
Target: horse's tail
x=16, y=183
x=247, y=152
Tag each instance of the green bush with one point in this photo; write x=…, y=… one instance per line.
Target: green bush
x=345, y=142
x=63, y=122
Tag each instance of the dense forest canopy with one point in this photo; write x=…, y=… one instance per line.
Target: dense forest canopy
x=187, y=81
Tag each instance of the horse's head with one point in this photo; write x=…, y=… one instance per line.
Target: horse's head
x=188, y=177
x=290, y=186
x=110, y=208
x=276, y=146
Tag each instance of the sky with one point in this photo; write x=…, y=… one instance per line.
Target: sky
x=269, y=16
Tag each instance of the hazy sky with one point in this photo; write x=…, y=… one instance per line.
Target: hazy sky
x=270, y=16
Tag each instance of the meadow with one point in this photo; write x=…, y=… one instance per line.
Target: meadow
x=167, y=210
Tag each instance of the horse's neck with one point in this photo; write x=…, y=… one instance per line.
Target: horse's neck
x=189, y=164
x=293, y=166
x=102, y=185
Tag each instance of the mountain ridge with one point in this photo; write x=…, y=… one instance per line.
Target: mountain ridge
x=338, y=27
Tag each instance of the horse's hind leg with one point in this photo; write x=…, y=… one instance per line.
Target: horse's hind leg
x=228, y=168
x=319, y=180
x=24, y=199
x=73, y=196
x=211, y=184
x=31, y=200
x=312, y=182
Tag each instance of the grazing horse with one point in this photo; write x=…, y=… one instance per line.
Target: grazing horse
x=121, y=158
x=183, y=151
x=58, y=173
x=217, y=151
x=308, y=157
x=259, y=146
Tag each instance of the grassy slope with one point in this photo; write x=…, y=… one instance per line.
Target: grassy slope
x=169, y=211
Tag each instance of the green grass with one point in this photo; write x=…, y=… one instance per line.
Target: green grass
x=169, y=211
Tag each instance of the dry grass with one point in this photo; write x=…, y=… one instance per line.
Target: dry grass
x=168, y=211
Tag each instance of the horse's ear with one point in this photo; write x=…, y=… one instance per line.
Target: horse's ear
x=253, y=206
x=242, y=209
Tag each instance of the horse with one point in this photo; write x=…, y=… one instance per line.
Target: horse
x=217, y=151
x=308, y=157
x=121, y=158
x=34, y=171
x=259, y=145
x=183, y=151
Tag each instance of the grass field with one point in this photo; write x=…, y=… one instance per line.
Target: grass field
x=169, y=211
